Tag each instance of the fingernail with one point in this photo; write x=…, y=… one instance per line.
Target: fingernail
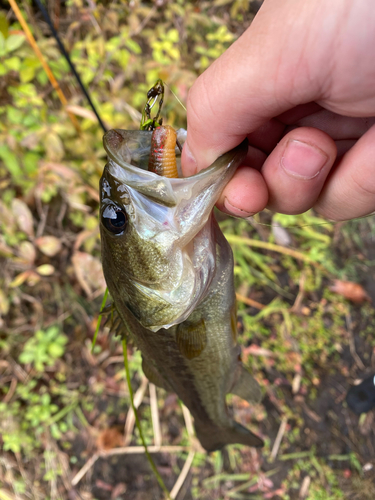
x=235, y=210
x=303, y=160
x=190, y=165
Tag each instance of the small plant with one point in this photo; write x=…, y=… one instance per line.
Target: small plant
x=44, y=348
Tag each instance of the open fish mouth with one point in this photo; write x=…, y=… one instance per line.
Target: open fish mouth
x=169, y=270
x=168, y=246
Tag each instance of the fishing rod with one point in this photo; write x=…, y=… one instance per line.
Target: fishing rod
x=69, y=61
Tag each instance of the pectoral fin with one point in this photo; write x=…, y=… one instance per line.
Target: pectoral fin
x=246, y=387
x=191, y=338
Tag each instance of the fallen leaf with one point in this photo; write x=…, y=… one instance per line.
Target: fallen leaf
x=80, y=111
x=29, y=276
x=45, y=270
x=27, y=252
x=49, y=245
x=6, y=495
x=118, y=490
x=5, y=251
x=6, y=216
x=4, y=303
x=109, y=438
x=103, y=485
x=89, y=272
x=23, y=216
x=54, y=146
x=84, y=235
x=296, y=384
x=351, y=291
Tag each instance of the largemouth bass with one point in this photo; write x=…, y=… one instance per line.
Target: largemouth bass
x=169, y=270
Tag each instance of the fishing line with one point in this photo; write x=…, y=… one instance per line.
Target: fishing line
x=315, y=224
x=69, y=61
x=175, y=96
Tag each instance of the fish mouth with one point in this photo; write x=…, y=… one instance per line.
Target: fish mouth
x=169, y=217
x=129, y=150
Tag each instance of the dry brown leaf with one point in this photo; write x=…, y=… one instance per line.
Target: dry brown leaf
x=49, y=245
x=109, y=438
x=118, y=490
x=23, y=217
x=89, y=272
x=351, y=291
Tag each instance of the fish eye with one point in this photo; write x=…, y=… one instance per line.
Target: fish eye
x=114, y=219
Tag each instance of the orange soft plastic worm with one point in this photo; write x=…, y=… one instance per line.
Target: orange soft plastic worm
x=163, y=156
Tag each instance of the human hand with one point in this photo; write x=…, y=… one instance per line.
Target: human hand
x=300, y=84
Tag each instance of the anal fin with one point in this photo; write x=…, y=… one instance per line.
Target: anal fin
x=246, y=387
x=153, y=375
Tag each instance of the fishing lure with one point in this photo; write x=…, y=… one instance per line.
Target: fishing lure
x=162, y=155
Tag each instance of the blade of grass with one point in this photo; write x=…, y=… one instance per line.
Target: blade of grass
x=249, y=302
x=58, y=416
x=99, y=319
x=155, y=415
x=233, y=239
x=42, y=60
x=183, y=474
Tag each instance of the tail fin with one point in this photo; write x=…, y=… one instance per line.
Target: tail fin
x=213, y=438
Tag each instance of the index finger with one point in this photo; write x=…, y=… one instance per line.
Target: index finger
x=263, y=74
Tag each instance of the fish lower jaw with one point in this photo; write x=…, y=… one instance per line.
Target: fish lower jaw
x=169, y=308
